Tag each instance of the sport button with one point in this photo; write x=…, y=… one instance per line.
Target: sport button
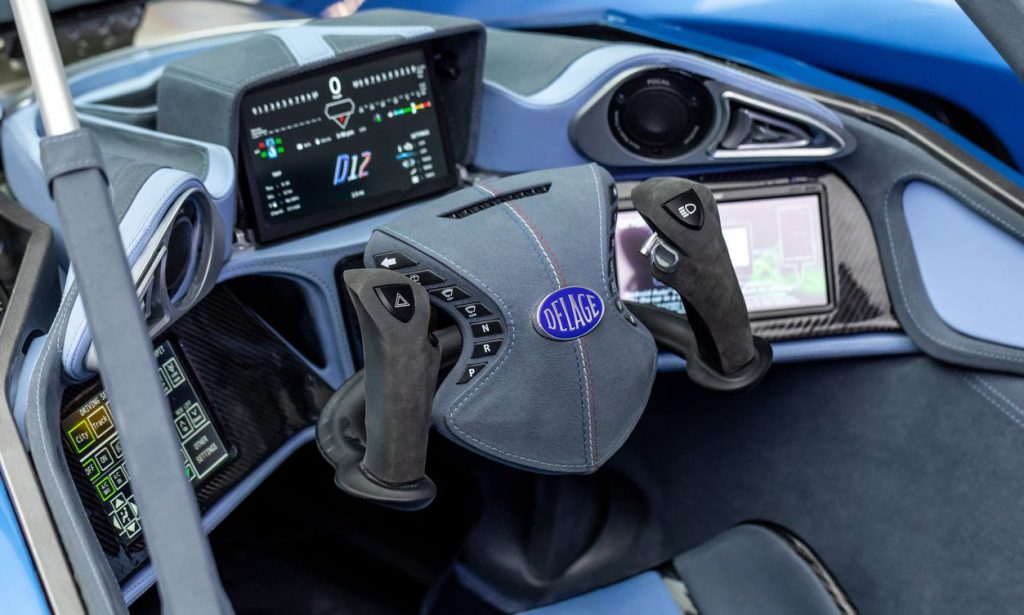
x=398, y=300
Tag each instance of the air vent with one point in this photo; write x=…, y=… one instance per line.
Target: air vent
x=505, y=197
x=753, y=130
x=759, y=130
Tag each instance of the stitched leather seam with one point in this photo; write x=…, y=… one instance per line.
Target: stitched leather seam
x=581, y=369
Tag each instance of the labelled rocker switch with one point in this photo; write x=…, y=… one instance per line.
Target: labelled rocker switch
x=398, y=299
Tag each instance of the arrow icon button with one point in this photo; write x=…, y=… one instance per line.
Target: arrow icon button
x=392, y=260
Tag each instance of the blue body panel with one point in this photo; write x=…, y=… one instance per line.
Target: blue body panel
x=926, y=45
x=20, y=591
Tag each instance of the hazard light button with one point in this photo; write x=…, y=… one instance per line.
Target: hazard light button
x=398, y=299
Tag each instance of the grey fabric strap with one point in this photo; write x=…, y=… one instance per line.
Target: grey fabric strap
x=188, y=579
x=1001, y=22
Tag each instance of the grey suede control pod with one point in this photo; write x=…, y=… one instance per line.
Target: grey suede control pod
x=493, y=256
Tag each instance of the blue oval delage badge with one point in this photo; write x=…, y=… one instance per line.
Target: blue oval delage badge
x=569, y=313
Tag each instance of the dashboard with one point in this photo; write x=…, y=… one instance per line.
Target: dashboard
x=343, y=141
x=297, y=142
x=776, y=237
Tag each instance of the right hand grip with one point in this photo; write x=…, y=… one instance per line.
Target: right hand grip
x=689, y=254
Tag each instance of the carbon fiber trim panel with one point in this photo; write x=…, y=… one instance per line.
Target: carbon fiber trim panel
x=258, y=392
x=860, y=299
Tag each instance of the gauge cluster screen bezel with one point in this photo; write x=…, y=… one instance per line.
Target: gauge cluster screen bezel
x=321, y=211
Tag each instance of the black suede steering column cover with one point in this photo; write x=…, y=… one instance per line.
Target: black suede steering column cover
x=527, y=400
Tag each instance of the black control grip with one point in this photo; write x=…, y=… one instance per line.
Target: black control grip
x=689, y=254
x=399, y=380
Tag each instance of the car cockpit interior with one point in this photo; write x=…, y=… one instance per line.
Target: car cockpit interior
x=552, y=318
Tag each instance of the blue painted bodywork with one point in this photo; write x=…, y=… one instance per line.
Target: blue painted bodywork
x=20, y=591
x=925, y=45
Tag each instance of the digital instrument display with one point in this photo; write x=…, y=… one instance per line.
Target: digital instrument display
x=343, y=141
x=93, y=439
x=777, y=248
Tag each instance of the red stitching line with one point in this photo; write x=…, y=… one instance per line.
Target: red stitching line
x=543, y=242
x=592, y=389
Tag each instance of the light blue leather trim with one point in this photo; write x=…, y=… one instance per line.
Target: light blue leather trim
x=308, y=46
x=972, y=269
x=24, y=171
x=304, y=45
x=312, y=261
x=511, y=125
x=645, y=593
x=821, y=349
x=137, y=228
x=128, y=85
x=146, y=577
x=220, y=180
x=19, y=388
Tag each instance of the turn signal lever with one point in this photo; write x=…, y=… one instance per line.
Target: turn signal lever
x=374, y=429
x=689, y=254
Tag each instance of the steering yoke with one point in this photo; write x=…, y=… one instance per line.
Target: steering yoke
x=549, y=369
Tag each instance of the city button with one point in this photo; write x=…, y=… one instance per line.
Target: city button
x=81, y=436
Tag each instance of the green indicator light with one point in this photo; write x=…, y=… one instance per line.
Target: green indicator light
x=278, y=140
x=94, y=472
x=280, y=150
x=106, y=488
x=263, y=154
x=81, y=436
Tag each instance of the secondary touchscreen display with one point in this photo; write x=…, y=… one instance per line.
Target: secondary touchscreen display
x=340, y=142
x=776, y=246
x=93, y=439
